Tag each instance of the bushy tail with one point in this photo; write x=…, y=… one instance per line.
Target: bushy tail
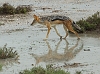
x=76, y=26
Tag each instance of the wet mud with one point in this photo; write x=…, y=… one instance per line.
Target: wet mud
x=69, y=54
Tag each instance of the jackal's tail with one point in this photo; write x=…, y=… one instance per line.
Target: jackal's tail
x=76, y=26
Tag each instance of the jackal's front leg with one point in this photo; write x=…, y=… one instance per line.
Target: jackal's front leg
x=66, y=30
x=49, y=27
x=57, y=32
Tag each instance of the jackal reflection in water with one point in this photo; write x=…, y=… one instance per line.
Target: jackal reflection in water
x=54, y=56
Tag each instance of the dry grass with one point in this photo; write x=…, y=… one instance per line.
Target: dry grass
x=7, y=52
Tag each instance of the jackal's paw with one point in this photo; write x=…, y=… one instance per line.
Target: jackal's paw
x=60, y=37
x=45, y=39
x=78, y=38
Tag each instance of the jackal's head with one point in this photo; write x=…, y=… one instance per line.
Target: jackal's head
x=36, y=19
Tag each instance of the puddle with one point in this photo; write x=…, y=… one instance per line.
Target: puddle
x=60, y=52
x=70, y=54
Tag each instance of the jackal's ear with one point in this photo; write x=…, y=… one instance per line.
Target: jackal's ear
x=36, y=17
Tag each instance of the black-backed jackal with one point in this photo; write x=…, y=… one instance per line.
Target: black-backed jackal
x=54, y=20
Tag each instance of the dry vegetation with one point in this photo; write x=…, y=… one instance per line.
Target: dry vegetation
x=92, y=23
x=7, y=52
x=6, y=8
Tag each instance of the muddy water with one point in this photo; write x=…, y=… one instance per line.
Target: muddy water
x=70, y=54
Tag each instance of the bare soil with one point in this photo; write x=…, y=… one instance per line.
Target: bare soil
x=69, y=54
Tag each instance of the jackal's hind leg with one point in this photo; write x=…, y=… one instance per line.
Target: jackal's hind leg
x=57, y=32
x=75, y=33
x=68, y=24
x=71, y=29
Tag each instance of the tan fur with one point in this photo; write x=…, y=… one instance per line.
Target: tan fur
x=67, y=24
x=36, y=18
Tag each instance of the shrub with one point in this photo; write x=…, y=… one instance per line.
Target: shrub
x=7, y=52
x=86, y=26
x=91, y=23
x=6, y=8
x=23, y=9
x=40, y=70
x=49, y=70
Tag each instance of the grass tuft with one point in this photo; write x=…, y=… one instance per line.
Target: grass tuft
x=49, y=70
x=7, y=52
x=39, y=70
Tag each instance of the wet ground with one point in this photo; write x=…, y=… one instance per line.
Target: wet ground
x=69, y=54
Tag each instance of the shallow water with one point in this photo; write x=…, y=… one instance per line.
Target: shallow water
x=69, y=54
